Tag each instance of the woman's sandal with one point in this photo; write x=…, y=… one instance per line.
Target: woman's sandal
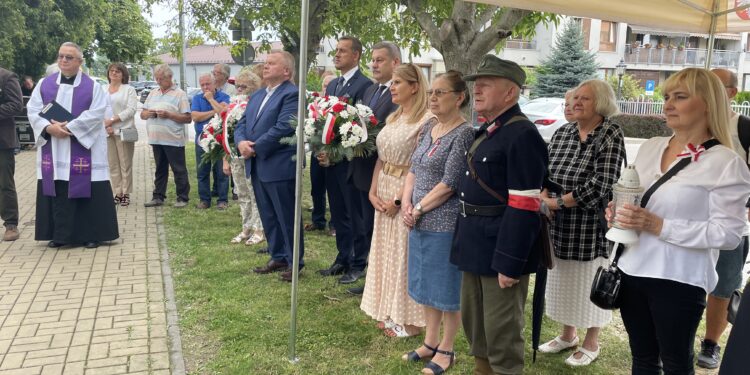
x=413, y=356
x=255, y=239
x=118, y=199
x=239, y=238
x=125, y=200
x=399, y=331
x=386, y=324
x=436, y=369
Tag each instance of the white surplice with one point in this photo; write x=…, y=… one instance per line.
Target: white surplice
x=88, y=128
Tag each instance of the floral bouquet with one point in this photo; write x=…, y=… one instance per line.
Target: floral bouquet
x=339, y=129
x=217, y=138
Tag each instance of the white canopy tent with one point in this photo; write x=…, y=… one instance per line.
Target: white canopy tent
x=694, y=16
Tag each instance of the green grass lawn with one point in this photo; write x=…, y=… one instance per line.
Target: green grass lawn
x=236, y=322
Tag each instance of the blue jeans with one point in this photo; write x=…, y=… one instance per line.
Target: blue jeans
x=204, y=178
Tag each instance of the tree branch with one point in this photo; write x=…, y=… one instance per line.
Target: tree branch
x=484, y=17
x=416, y=7
x=487, y=39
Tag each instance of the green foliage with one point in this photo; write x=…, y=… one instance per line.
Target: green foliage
x=742, y=96
x=567, y=65
x=314, y=81
x=631, y=89
x=642, y=126
x=531, y=76
x=31, y=31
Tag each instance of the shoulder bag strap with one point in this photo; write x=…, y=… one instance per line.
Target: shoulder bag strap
x=670, y=173
x=470, y=157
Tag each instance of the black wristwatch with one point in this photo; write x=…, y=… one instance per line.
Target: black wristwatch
x=560, y=203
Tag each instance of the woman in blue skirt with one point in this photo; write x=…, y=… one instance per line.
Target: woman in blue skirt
x=430, y=210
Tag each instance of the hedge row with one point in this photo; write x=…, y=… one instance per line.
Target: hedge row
x=642, y=126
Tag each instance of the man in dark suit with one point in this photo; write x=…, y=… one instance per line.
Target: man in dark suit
x=386, y=56
x=346, y=212
x=11, y=104
x=269, y=163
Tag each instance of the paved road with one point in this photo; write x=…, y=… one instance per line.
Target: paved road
x=81, y=311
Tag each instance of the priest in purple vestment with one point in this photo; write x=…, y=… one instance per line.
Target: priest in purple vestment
x=74, y=198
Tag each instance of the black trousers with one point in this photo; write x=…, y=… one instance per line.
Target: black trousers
x=8, y=197
x=661, y=317
x=173, y=157
x=318, y=192
x=736, y=360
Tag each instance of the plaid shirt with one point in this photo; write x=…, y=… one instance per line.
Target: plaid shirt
x=588, y=169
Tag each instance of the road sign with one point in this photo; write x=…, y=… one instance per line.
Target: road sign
x=650, y=85
x=242, y=30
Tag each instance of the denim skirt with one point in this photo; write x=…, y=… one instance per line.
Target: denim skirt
x=433, y=280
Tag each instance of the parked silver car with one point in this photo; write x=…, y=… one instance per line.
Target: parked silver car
x=547, y=114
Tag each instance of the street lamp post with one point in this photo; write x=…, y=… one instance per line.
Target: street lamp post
x=620, y=70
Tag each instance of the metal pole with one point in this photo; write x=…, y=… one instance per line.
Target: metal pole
x=711, y=35
x=619, y=87
x=298, y=181
x=181, y=10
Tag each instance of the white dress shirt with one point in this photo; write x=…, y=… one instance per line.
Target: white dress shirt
x=703, y=208
x=269, y=92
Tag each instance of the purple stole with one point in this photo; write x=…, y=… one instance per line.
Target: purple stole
x=79, y=182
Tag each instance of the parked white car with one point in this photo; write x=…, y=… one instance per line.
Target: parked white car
x=547, y=114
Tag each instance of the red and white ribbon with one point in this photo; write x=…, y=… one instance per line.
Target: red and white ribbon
x=328, y=130
x=692, y=151
x=527, y=200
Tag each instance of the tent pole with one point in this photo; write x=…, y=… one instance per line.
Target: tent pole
x=302, y=103
x=712, y=35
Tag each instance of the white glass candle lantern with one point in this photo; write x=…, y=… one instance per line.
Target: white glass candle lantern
x=627, y=190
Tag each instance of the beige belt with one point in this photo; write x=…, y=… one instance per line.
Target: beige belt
x=395, y=170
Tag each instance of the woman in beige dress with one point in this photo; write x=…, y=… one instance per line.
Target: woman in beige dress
x=385, y=296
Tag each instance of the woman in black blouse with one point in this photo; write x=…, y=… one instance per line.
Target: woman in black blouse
x=585, y=159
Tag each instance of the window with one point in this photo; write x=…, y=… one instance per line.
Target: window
x=607, y=36
x=586, y=31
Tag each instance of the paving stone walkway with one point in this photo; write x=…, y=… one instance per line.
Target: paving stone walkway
x=82, y=311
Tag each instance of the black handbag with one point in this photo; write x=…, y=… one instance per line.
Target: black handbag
x=605, y=289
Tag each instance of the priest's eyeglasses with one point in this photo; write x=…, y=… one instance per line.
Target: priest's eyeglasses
x=66, y=57
x=439, y=93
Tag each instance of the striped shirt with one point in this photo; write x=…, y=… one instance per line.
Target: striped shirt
x=162, y=131
x=588, y=169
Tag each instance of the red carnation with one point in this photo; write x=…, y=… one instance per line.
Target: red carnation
x=338, y=107
x=315, y=94
x=220, y=138
x=210, y=129
x=373, y=120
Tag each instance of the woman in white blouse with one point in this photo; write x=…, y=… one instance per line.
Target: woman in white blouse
x=692, y=216
x=123, y=102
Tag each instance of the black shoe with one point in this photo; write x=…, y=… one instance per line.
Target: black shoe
x=352, y=276
x=358, y=291
x=54, y=245
x=153, y=203
x=710, y=355
x=333, y=270
x=91, y=244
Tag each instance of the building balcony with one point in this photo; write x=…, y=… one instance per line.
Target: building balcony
x=520, y=44
x=680, y=58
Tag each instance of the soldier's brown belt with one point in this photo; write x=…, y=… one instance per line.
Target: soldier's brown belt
x=395, y=170
x=472, y=210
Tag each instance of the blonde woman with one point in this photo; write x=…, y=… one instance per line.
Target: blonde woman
x=385, y=296
x=246, y=83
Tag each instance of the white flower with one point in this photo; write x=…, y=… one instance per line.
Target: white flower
x=344, y=129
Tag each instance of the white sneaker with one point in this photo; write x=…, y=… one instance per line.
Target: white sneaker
x=557, y=345
x=586, y=358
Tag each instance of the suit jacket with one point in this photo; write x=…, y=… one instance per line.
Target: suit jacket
x=11, y=104
x=354, y=89
x=361, y=169
x=273, y=161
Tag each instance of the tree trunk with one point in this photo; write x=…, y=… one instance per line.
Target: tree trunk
x=290, y=38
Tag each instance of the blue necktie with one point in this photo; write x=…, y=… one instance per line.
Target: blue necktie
x=376, y=96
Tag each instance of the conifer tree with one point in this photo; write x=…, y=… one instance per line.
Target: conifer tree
x=567, y=65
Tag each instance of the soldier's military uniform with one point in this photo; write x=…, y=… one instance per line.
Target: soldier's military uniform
x=498, y=228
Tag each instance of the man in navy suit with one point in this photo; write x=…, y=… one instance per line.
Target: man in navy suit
x=269, y=163
x=346, y=212
x=386, y=56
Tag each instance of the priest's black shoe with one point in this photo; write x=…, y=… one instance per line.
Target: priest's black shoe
x=333, y=270
x=53, y=244
x=271, y=266
x=352, y=276
x=91, y=244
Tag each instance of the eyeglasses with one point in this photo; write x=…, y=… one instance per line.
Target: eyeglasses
x=242, y=87
x=66, y=57
x=439, y=93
